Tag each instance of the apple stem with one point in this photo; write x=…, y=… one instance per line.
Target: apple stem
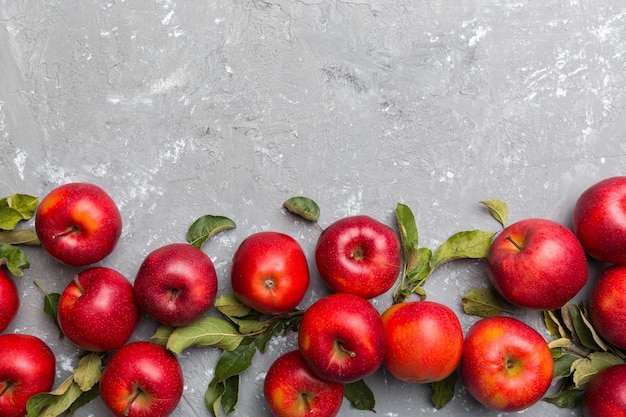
x=7, y=386
x=307, y=402
x=346, y=351
x=69, y=231
x=78, y=284
x=510, y=239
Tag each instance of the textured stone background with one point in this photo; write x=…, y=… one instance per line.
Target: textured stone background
x=185, y=108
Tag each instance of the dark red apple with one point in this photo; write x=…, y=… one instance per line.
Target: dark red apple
x=10, y=300
x=359, y=255
x=607, y=305
x=605, y=395
x=537, y=264
x=97, y=310
x=78, y=224
x=142, y=379
x=176, y=284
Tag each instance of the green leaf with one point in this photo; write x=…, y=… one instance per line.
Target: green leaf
x=231, y=393
x=162, y=334
x=16, y=208
x=20, y=237
x=360, y=395
x=54, y=403
x=482, y=302
x=585, y=368
x=551, y=319
x=234, y=362
x=443, y=391
x=249, y=326
x=584, y=332
x=421, y=270
x=472, y=244
x=50, y=305
x=14, y=258
x=205, y=331
x=84, y=398
x=88, y=372
x=408, y=228
x=568, y=397
x=229, y=305
x=563, y=366
x=303, y=207
x=213, y=396
x=498, y=210
x=206, y=226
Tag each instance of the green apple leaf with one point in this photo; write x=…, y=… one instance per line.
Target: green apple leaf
x=206, y=226
x=234, y=362
x=473, y=244
x=213, y=396
x=498, y=210
x=443, y=391
x=56, y=402
x=409, y=235
x=303, y=207
x=84, y=398
x=584, y=332
x=554, y=324
x=482, y=302
x=87, y=373
x=20, y=237
x=15, y=208
x=230, y=306
x=585, y=368
x=563, y=366
x=51, y=305
x=360, y=395
x=162, y=334
x=14, y=258
x=205, y=331
x=231, y=393
x=568, y=397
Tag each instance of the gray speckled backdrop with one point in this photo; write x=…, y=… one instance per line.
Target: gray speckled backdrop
x=185, y=108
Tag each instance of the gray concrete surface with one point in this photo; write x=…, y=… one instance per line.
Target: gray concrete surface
x=185, y=108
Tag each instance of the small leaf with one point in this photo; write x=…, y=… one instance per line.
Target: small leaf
x=231, y=393
x=251, y=326
x=585, y=368
x=23, y=204
x=498, y=210
x=360, y=395
x=51, y=305
x=234, y=362
x=162, y=334
x=303, y=207
x=230, y=306
x=443, y=391
x=14, y=258
x=472, y=244
x=205, y=331
x=9, y=218
x=482, y=302
x=206, y=226
x=213, y=396
x=88, y=372
x=408, y=227
x=54, y=403
x=84, y=399
x=563, y=366
x=554, y=325
x=20, y=237
x=583, y=332
x=421, y=269
x=568, y=397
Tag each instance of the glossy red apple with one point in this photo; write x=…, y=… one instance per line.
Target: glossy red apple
x=605, y=395
x=424, y=341
x=342, y=338
x=176, y=284
x=78, y=224
x=97, y=310
x=270, y=272
x=10, y=300
x=506, y=364
x=599, y=220
x=291, y=389
x=537, y=264
x=359, y=255
x=607, y=305
x=27, y=367
x=142, y=379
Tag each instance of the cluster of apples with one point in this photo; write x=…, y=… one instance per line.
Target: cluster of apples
x=342, y=338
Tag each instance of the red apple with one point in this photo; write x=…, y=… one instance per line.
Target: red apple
x=424, y=341
x=270, y=272
x=506, y=364
x=176, y=284
x=292, y=390
x=605, y=395
x=10, y=300
x=97, y=310
x=142, y=379
x=78, y=224
x=342, y=338
x=599, y=220
x=27, y=367
x=359, y=255
x=537, y=264
x=607, y=305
